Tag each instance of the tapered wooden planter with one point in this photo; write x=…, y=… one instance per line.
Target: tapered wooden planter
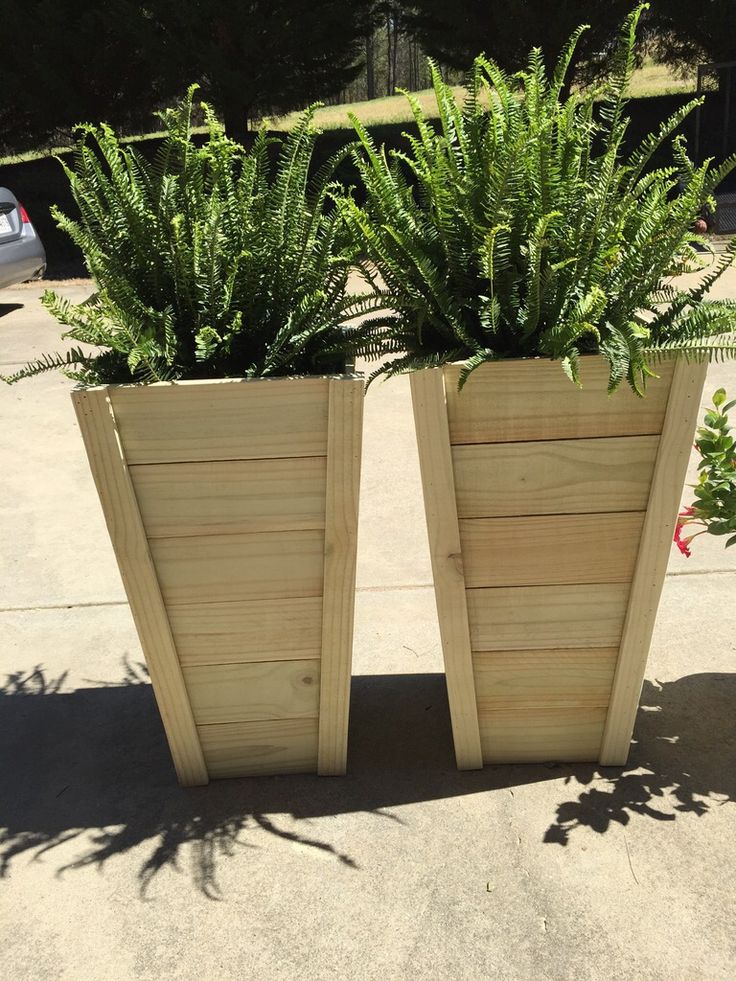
x=550, y=512
x=232, y=507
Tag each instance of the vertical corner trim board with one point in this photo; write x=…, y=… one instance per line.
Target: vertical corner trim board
x=344, y=441
x=435, y=460
x=112, y=479
x=656, y=541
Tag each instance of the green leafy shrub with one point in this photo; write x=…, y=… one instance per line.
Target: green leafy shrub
x=519, y=228
x=209, y=260
x=714, y=507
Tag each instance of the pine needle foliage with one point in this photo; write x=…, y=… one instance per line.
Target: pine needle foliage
x=519, y=227
x=209, y=260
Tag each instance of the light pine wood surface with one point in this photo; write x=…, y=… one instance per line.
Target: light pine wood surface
x=510, y=401
x=344, y=436
x=554, y=477
x=256, y=691
x=228, y=420
x=231, y=497
x=547, y=679
x=247, y=630
x=213, y=568
x=430, y=416
x=542, y=735
x=656, y=542
x=120, y=509
x=245, y=749
x=550, y=549
x=564, y=504
x=238, y=531
x=542, y=617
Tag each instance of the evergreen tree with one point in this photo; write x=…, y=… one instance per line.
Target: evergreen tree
x=257, y=57
x=66, y=61
x=455, y=33
x=687, y=33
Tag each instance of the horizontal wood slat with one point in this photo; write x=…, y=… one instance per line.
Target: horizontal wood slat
x=252, y=692
x=546, y=679
x=563, y=477
x=238, y=749
x=255, y=630
x=235, y=420
x=541, y=735
x=231, y=497
x=507, y=401
x=214, y=568
x=546, y=617
x=550, y=549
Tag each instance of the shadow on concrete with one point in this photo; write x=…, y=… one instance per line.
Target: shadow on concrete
x=93, y=765
x=6, y=308
x=683, y=760
x=95, y=760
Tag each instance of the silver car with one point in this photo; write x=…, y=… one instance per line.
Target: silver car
x=22, y=255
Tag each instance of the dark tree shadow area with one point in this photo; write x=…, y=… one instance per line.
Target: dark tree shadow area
x=684, y=754
x=93, y=765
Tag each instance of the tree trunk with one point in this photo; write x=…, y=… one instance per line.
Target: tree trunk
x=237, y=122
x=389, y=78
x=370, y=73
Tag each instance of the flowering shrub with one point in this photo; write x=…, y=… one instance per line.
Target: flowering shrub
x=714, y=507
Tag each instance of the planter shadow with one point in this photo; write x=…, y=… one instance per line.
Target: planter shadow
x=93, y=764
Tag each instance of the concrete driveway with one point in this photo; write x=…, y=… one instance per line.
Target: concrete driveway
x=405, y=869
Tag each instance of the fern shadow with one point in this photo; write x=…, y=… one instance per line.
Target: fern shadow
x=683, y=761
x=91, y=765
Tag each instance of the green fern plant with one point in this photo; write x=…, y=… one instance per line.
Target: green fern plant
x=519, y=228
x=209, y=260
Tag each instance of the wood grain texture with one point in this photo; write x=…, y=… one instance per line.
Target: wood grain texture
x=231, y=497
x=554, y=477
x=542, y=735
x=216, y=568
x=520, y=618
x=550, y=549
x=509, y=401
x=544, y=679
x=433, y=441
x=253, y=692
x=656, y=542
x=255, y=630
x=244, y=749
x=226, y=420
x=117, y=497
x=344, y=440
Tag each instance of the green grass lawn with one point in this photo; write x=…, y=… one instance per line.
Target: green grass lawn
x=649, y=80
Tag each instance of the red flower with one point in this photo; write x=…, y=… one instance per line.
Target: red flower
x=682, y=520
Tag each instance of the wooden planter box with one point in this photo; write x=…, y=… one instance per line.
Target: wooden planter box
x=232, y=507
x=550, y=512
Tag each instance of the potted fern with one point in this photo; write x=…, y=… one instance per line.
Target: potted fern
x=526, y=264
x=223, y=433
